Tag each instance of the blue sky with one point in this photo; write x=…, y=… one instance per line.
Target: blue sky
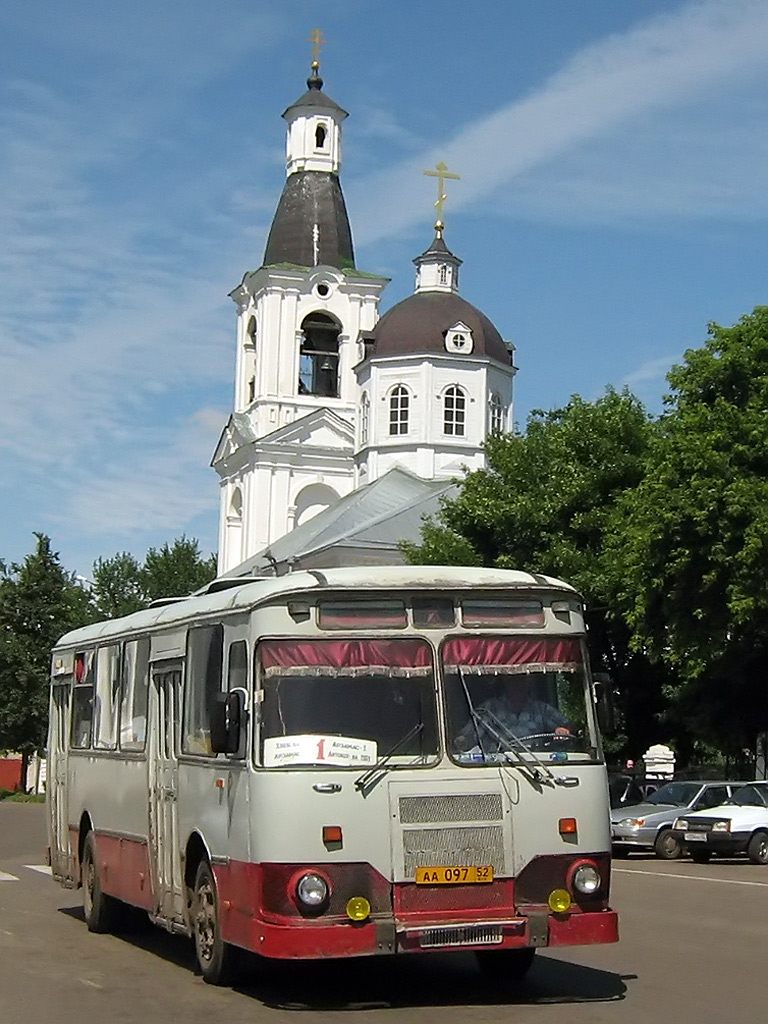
x=613, y=200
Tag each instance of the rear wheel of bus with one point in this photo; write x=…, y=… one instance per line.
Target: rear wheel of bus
x=215, y=958
x=101, y=912
x=505, y=965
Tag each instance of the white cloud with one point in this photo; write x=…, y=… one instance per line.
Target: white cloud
x=661, y=64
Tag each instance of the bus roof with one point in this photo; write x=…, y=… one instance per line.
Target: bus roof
x=252, y=592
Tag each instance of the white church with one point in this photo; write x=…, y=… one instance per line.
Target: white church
x=348, y=425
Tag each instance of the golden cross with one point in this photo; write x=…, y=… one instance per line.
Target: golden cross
x=441, y=172
x=317, y=41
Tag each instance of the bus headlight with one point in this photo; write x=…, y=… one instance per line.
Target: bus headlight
x=586, y=879
x=312, y=891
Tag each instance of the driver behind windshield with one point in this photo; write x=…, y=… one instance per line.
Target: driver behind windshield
x=510, y=708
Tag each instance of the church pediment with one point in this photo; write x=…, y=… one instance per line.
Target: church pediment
x=320, y=428
x=235, y=434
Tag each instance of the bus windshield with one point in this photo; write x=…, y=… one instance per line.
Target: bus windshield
x=346, y=703
x=508, y=696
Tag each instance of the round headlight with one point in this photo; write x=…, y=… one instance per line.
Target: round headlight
x=586, y=879
x=312, y=890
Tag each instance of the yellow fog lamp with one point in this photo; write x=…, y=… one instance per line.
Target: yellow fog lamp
x=559, y=901
x=358, y=908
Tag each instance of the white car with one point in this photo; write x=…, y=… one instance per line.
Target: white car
x=738, y=826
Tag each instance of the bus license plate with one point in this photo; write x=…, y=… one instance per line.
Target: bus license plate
x=454, y=876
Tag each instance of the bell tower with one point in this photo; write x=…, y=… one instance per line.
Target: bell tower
x=287, y=450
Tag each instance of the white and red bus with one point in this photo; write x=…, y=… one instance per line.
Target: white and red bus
x=320, y=765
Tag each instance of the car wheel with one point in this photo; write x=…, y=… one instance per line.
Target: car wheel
x=101, y=912
x=505, y=965
x=667, y=846
x=701, y=856
x=757, y=850
x=215, y=958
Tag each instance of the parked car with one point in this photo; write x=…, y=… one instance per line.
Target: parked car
x=738, y=826
x=630, y=789
x=648, y=825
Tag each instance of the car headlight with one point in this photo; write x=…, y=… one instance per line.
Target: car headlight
x=681, y=823
x=722, y=826
x=312, y=890
x=632, y=822
x=586, y=879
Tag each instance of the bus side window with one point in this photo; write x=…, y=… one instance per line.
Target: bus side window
x=107, y=696
x=237, y=678
x=133, y=709
x=82, y=701
x=205, y=649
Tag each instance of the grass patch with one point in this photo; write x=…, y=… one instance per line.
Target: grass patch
x=22, y=798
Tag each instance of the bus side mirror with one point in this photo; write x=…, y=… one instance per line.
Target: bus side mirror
x=227, y=721
x=606, y=709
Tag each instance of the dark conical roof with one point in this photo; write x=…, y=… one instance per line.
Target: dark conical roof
x=417, y=326
x=311, y=226
x=315, y=97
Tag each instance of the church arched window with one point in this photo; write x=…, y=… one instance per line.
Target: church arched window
x=399, y=403
x=365, y=418
x=496, y=414
x=319, y=356
x=320, y=136
x=454, y=411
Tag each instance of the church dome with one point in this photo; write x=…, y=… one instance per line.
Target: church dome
x=418, y=326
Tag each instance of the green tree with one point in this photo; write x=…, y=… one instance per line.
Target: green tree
x=545, y=503
x=176, y=570
x=39, y=601
x=694, y=549
x=117, y=588
x=122, y=584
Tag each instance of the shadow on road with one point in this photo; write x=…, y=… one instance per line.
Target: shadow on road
x=434, y=979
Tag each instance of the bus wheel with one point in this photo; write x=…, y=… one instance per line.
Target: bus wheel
x=502, y=965
x=215, y=958
x=101, y=912
x=757, y=850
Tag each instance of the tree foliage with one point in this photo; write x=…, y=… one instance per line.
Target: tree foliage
x=545, y=504
x=121, y=584
x=694, y=545
x=39, y=601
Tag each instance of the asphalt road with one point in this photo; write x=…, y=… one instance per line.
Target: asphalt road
x=693, y=949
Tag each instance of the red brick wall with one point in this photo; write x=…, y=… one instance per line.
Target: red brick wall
x=10, y=772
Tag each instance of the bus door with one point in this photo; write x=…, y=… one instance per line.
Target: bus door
x=163, y=812
x=62, y=861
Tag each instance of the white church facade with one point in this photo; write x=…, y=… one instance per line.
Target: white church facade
x=338, y=409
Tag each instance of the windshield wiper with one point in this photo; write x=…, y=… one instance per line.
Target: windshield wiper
x=365, y=778
x=502, y=734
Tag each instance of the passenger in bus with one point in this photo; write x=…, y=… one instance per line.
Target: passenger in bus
x=511, y=708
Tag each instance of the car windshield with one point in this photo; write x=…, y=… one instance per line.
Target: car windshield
x=678, y=794
x=749, y=796
x=346, y=703
x=508, y=696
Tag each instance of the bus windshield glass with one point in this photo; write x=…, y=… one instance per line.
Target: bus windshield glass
x=346, y=703
x=511, y=696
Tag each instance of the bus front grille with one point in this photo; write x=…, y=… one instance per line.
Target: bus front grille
x=453, y=847
x=449, y=807
x=461, y=935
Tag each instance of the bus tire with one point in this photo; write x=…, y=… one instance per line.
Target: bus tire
x=505, y=965
x=101, y=912
x=757, y=849
x=215, y=958
x=667, y=846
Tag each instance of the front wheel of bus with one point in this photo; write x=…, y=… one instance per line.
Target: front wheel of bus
x=101, y=912
x=215, y=958
x=504, y=965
